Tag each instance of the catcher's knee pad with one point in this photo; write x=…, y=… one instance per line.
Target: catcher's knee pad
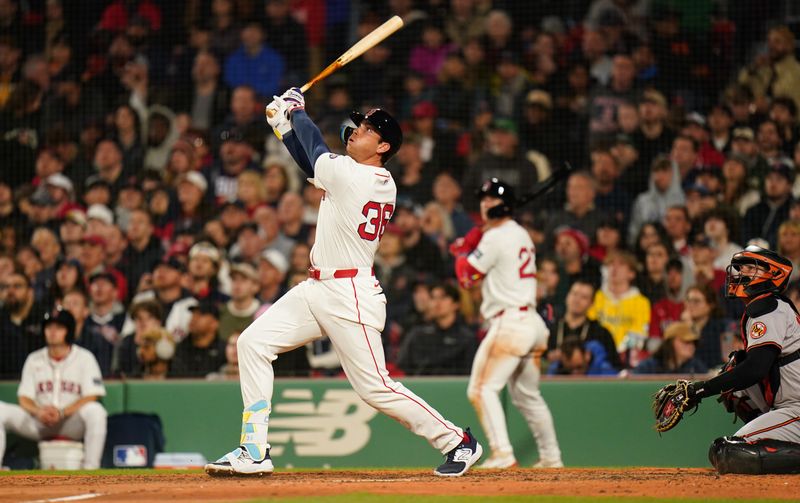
x=736, y=455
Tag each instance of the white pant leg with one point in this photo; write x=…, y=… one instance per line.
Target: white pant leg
x=351, y=312
x=778, y=424
x=15, y=419
x=526, y=397
x=287, y=324
x=88, y=425
x=510, y=338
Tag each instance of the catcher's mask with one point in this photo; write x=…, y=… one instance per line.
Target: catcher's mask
x=384, y=123
x=770, y=273
x=501, y=190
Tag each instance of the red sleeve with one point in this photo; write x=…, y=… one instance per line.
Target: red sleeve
x=466, y=274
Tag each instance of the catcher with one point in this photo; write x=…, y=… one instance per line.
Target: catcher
x=761, y=383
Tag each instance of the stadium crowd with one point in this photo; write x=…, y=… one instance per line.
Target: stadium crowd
x=142, y=189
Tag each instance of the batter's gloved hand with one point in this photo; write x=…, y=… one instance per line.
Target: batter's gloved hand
x=279, y=120
x=672, y=401
x=465, y=245
x=294, y=100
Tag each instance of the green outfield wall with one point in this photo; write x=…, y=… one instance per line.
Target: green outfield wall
x=322, y=422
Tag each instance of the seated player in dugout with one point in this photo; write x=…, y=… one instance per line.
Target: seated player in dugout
x=340, y=298
x=761, y=383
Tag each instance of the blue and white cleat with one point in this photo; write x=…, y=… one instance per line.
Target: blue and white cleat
x=239, y=462
x=460, y=459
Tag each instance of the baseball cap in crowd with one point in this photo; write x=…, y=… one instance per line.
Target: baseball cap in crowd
x=247, y=226
x=623, y=139
x=406, y=204
x=76, y=216
x=577, y=235
x=41, y=197
x=95, y=181
x=237, y=204
x=696, y=118
x=653, y=96
x=247, y=135
x=206, y=307
x=703, y=241
x=100, y=212
x=507, y=125
x=424, y=110
x=173, y=262
x=94, y=240
x=540, y=98
x=103, y=275
x=697, y=187
x=245, y=269
x=205, y=249
x=508, y=56
x=277, y=260
x=784, y=169
x=709, y=170
x=196, y=179
x=60, y=181
x=674, y=264
x=743, y=133
x=680, y=330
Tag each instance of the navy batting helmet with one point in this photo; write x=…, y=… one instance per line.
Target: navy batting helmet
x=64, y=318
x=384, y=123
x=499, y=189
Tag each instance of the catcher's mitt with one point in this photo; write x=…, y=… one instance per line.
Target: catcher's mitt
x=671, y=402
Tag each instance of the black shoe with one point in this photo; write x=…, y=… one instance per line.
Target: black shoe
x=458, y=461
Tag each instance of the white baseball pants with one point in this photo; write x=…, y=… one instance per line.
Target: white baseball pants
x=352, y=313
x=504, y=356
x=88, y=424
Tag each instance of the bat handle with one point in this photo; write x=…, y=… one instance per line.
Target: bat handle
x=270, y=112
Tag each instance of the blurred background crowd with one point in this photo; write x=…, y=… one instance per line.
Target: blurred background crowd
x=141, y=188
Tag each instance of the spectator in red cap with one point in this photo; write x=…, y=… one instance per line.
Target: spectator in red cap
x=572, y=254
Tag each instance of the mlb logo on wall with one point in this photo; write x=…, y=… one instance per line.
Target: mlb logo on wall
x=130, y=455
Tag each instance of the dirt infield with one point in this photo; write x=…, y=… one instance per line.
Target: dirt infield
x=654, y=482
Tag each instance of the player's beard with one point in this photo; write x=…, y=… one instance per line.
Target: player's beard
x=14, y=305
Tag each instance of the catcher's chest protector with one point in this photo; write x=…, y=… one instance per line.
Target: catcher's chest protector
x=762, y=395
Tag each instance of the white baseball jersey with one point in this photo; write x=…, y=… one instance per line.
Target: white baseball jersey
x=506, y=255
x=353, y=191
x=780, y=328
x=61, y=383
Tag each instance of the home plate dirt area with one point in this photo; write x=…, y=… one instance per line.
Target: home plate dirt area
x=695, y=483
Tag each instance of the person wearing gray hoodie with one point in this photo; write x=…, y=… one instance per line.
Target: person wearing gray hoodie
x=665, y=191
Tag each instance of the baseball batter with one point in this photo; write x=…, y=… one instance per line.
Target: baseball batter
x=58, y=393
x=341, y=298
x=761, y=383
x=503, y=255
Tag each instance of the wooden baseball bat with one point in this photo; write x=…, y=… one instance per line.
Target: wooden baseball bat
x=369, y=41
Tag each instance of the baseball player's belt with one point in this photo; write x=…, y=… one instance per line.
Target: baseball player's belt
x=328, y=273
x=520, y=308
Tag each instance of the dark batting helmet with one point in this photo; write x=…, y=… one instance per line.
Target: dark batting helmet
x=384, y=123
x=64, y=318
x=496, y=188
x=770, y=276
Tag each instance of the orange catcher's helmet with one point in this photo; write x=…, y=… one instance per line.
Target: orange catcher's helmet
x=755, y=271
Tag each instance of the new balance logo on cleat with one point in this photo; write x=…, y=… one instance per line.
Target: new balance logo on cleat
x=461, y=458
x=462, y=455
x=239, y=462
